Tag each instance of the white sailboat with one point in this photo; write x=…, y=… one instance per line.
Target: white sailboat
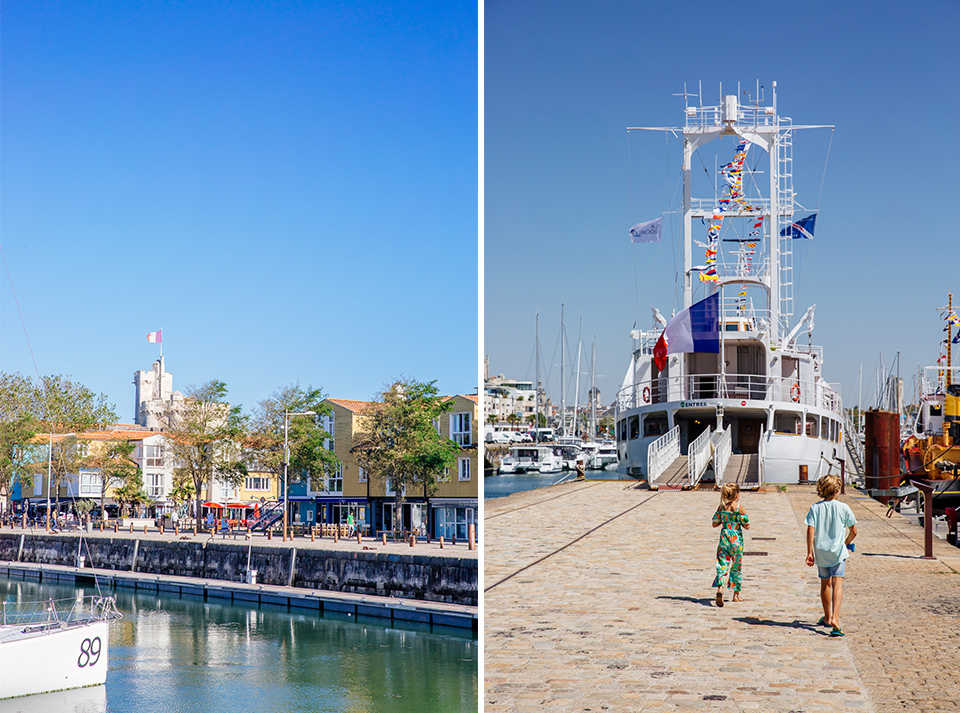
x=54, y=645
x=737, y=392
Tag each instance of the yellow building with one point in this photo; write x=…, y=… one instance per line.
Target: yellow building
x=447, y=512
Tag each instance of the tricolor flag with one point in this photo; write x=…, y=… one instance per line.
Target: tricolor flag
x=155, y=337
x=695, y=329
x=648, y=232
x=803, y=228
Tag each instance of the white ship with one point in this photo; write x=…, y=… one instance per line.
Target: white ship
x=54, y=645
x=738, y=390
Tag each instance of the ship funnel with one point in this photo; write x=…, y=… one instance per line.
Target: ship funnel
x=730, y=108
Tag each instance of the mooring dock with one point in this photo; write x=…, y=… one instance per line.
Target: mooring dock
x=598, y=597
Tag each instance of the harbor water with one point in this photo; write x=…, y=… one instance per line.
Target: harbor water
x=500, y=486
x=171, y=654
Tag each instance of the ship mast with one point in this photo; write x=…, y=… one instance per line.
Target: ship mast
x=762, y=126
x=949, y=340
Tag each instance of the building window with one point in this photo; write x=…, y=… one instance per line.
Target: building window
x=363, y=474
x=329, y=425
x=153, y=484
x=460, y=428
x=152, y=456
x=445, y=477
x=453, y=521
x=335, y=481
x=90, y=482
x=463, y=469
x=257, y=483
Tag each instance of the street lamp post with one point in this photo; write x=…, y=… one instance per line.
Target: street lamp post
x=286, y=463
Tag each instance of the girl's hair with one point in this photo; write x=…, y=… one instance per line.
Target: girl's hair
x=828, y=486
x=728, y=495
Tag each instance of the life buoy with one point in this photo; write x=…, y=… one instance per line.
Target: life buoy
x=795, y=392
x=646, y=394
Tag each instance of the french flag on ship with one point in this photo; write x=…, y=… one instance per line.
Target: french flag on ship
x=695, y=329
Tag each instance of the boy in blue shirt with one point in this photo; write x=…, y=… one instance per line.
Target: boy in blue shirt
x=828, y=546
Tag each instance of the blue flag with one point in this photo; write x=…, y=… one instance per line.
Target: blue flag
x=803, y=228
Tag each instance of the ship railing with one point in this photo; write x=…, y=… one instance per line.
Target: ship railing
x=707, y=207
x=58, y=613
x=933, y=379
x=698, y=456
x=744, y=387
x=662, y=453
x=762, y=457
x=721, y=453
x=707, y=117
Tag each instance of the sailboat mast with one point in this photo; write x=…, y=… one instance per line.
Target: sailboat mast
x=576, y=392
x=536, y=409
x=563, y=410
x=593, y=391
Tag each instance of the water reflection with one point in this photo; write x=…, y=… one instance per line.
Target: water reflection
x=186, y=654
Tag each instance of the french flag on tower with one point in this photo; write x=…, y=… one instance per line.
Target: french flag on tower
x=695, y=329
x=155, y=337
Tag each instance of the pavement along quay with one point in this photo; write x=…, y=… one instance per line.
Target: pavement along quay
x=598, y=597
x=426, y=572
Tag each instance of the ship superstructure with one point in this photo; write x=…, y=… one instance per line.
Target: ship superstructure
x=754, y=407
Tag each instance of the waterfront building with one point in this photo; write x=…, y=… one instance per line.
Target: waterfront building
x=371, y=501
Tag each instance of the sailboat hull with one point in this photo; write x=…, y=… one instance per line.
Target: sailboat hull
x=52, y=660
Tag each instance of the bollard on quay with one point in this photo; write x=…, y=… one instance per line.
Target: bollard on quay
x=384, y=536
x=471, y=536
x=441, y=542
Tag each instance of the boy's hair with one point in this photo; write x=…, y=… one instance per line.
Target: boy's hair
x=728, y=495
x=828, y=486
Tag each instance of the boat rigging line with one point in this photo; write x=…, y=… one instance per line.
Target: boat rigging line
x=571, y=543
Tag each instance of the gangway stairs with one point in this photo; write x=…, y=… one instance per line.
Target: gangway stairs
x=675, y=477
x=743, y=469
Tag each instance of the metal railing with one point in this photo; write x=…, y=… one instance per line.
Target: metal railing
x=721, y=454
x=661, y=453
x=270, y=513
x=59, y=613
x=854, y=447
x=698, y=456
x=693, y=387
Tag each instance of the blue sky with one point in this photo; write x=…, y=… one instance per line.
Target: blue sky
x=288, y=189
x=564, y=182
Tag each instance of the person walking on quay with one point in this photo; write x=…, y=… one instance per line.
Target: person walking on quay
x=733, y=519
x=828, y=546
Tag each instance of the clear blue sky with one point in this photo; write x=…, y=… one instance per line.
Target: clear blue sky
x=564, y=183
x=288, y=189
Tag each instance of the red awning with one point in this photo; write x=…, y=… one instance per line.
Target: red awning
x=215, y=506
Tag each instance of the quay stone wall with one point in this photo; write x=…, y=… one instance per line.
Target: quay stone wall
x=427, y=577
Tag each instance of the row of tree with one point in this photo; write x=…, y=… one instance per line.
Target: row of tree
x=211, y=441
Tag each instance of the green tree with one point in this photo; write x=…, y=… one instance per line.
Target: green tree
x=182, y=489
x=55, y=406
x=398, y=441
x=115, y=466
x=204, y=435
x=306, y=437
x=18, y=424
x=131, y=493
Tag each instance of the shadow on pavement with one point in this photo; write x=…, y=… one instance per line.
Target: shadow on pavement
x=709, y=602
x=795, y=624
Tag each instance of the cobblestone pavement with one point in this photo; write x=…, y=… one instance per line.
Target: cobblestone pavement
x=598, y=597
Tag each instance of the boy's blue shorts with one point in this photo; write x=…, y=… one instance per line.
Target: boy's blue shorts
x=835, y=571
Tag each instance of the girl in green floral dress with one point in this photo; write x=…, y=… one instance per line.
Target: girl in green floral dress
x=733, y=519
